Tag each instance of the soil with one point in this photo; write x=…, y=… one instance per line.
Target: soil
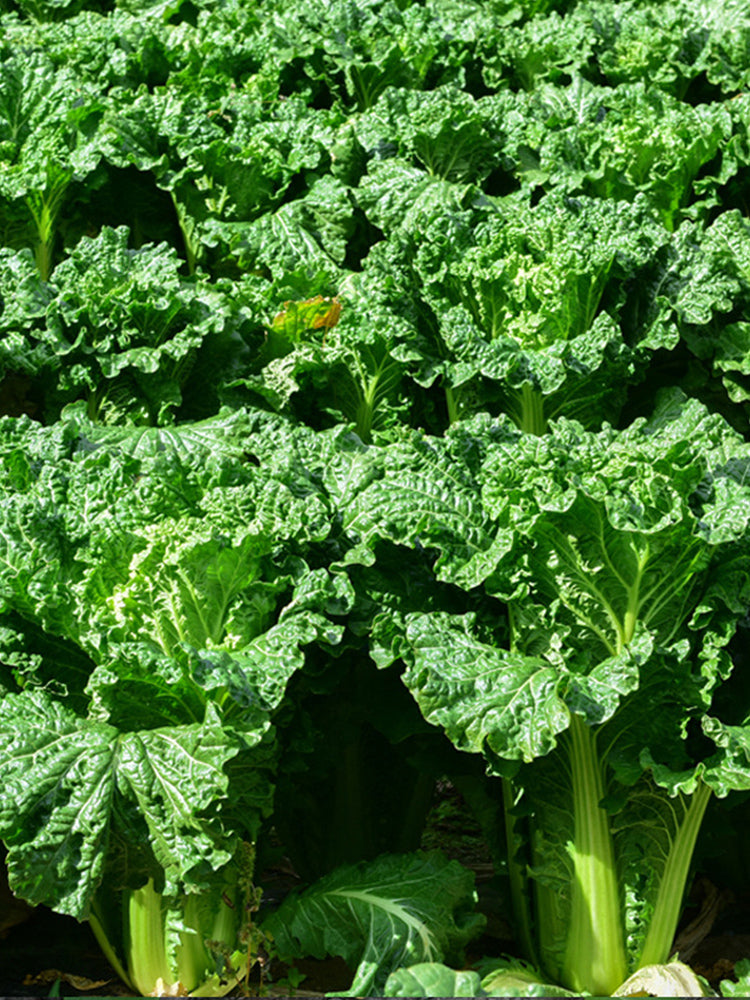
x=48, y=955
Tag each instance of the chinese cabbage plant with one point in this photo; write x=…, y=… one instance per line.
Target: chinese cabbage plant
x=157, y=596
x=537, y=311
x=118, y=328
x=619, y=565
x=49, y=119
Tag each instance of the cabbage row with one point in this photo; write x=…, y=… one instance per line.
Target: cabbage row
x=374, y=408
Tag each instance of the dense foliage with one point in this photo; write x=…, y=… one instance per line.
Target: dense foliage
x=374, y=409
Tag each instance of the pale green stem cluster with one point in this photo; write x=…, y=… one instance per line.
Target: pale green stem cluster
x=44, y=210
x=595, y=953
x=160, y=957
x=663, y=925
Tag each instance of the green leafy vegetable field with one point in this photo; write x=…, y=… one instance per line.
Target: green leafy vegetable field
x=375, y=448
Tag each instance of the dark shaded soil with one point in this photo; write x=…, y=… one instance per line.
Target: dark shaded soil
x=48, y=942
x=715, y=931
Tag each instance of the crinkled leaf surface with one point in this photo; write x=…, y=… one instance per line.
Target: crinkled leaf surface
x=537, y=297
x=70, y=781
x=432, y=979
x=394, y=911
x=481, y=695
x=48, y=121
x=618, y=143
